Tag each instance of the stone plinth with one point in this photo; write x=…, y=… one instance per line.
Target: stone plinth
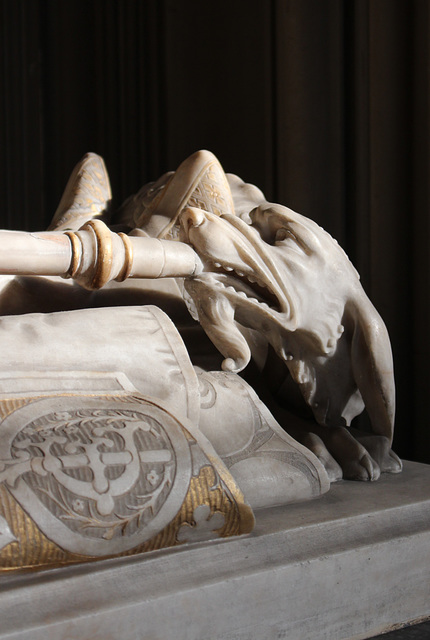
x=349, y=565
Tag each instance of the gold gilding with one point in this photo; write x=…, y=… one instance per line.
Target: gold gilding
x=76, y=254
x=103, y=264
x=128, y=257
x=213, y=486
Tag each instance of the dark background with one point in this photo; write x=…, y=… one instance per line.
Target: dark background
x=322, y=103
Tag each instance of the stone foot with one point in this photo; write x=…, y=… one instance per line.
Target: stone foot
x=380, y=450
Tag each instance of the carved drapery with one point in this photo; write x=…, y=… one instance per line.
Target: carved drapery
x=324, y=105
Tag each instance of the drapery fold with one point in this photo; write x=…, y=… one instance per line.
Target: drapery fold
x=325, y=105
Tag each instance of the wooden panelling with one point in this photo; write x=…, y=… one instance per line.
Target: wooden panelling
x=219, y=85
x=390, y=189
x=104, y=88
x=310, y=156
x=419, y=218
x=21, y=117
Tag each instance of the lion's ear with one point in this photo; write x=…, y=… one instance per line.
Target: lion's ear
x=276, y=222
x=267, y=221
x=271, y=220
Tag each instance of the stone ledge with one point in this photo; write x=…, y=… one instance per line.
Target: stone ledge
x=349, y=565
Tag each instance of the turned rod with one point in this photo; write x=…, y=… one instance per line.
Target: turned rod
x=94, y=255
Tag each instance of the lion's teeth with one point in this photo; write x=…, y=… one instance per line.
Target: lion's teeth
x=228, y=268
x=251, y=279
x=242, y=294
x=217, y=265
x=230, y=289
x=240, y=273
x=253, y=300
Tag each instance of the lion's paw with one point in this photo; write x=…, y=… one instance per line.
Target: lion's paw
x=380, y=450
x=318, y=448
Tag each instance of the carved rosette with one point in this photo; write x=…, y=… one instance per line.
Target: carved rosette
x=89, y=477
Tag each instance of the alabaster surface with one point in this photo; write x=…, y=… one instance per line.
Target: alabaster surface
x=347, y=566
x=168, y=367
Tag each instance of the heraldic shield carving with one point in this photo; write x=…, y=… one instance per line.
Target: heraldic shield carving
x=88, y=477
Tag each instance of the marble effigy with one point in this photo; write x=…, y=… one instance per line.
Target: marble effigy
x=125, y=424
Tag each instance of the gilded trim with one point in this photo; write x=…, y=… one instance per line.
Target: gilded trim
x=128, y=258
x=104, y=253
x=76, y=248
